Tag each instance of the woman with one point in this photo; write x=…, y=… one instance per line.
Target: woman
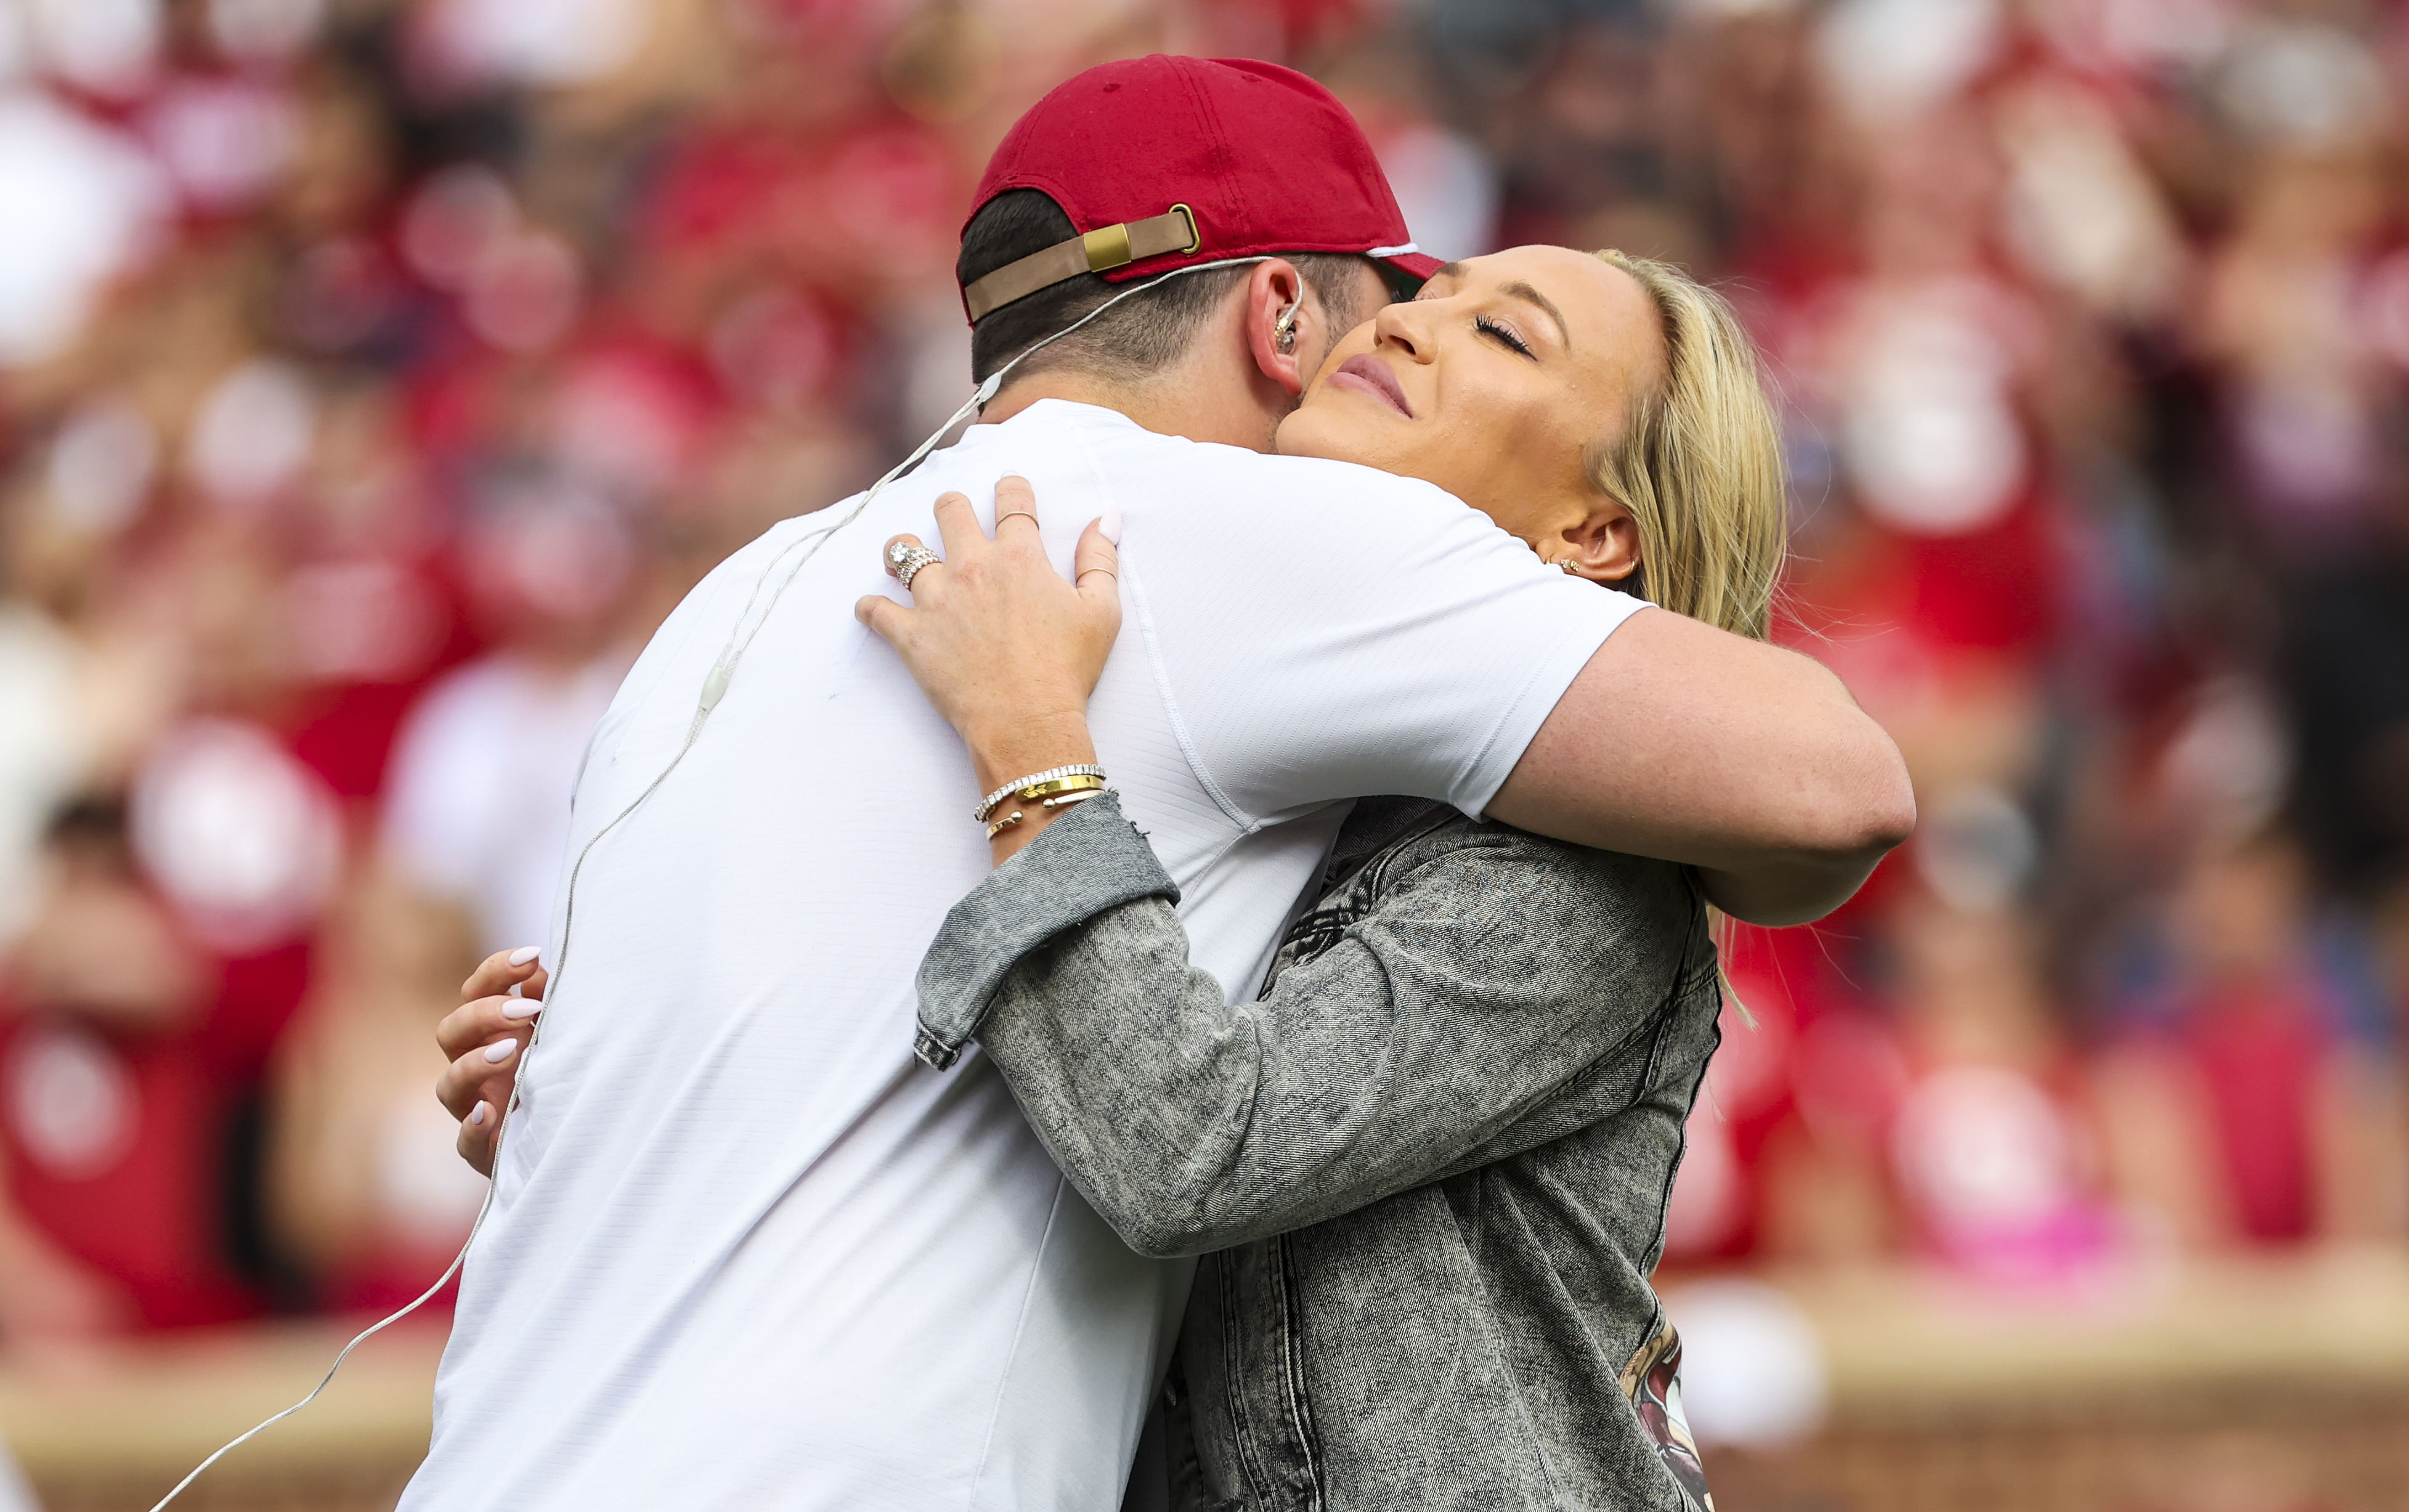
x=1427, y=1169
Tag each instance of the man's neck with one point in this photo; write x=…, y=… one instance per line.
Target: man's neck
x=1186, y=401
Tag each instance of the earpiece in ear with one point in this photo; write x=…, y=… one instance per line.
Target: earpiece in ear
x=1284, y=328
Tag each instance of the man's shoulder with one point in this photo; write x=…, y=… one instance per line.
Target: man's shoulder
x=697, y=626
x=1174, y=463
x=1144, y=466
x=742, y=565
x=1206, y=466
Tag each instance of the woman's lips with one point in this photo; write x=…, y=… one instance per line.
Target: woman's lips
x=1369, y=375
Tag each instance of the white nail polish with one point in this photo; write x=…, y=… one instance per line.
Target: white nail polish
x=521, y=1007
x=525, y=954
x=1110, y=526
x=478, y=1114
x=500, y=1050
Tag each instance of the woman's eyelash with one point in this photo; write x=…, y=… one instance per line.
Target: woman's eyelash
x=1490, y=327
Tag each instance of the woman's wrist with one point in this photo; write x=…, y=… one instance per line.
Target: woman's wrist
x=1024, y=746
x=1029, y=743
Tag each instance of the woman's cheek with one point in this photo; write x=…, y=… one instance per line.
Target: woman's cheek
x=1314, y=431
x=1466, y=459
x=1295, y=435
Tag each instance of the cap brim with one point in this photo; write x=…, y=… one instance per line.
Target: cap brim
x=1414, y=268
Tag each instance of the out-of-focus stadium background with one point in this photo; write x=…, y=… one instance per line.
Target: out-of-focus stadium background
x=374, y=374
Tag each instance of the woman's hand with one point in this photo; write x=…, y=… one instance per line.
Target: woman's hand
x=1005, y=649
x=483, y=1038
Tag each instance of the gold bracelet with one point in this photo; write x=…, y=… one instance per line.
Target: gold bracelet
x=1004, y=824
x=987, y=804
x=1080, y=784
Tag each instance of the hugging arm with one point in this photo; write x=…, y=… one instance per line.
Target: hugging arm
x=1676, y=740
x=1489, y=1000
x=1746, y=761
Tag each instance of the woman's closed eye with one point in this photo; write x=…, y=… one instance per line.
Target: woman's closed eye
x=1503, y=333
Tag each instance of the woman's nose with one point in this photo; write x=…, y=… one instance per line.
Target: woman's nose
x=1403, y=328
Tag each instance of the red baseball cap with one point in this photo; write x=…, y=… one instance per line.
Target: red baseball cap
x=1163, y=162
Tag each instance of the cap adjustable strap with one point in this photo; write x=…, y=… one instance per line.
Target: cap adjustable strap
x=1104, y=248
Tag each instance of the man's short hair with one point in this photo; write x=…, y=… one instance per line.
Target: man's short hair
x=1139, y=336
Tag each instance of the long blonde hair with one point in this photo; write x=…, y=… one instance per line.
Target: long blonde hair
x=1698, y=462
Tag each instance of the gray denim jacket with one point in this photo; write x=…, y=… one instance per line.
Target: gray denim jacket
x=1427, y=1169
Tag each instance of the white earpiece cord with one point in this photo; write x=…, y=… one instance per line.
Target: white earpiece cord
x=714, y=687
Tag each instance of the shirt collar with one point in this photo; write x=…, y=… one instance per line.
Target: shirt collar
x=1049, y=415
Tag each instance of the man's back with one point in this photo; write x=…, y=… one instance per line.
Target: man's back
x=784, y=1264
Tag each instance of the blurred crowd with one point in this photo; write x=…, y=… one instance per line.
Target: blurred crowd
x=375, y=374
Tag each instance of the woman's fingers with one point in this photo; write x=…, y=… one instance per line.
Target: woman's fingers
x=459, y=1030
x=1096, y=566
x=1015, y=509
x=919, y=583
x=479, y=1076
x=1016, y=522
x=503, y=970
x=482, y=1040
x=474, y=1088
x=957, y=524
x=884, y=615
x=475, y=1025
x=456, y=1089
x=886, y=554
x=478, y=1132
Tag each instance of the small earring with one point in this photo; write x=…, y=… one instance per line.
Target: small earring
x=1568, y=567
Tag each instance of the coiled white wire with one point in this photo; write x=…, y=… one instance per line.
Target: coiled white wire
x=714, y=687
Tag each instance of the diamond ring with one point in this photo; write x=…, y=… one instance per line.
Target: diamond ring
x=909, y=561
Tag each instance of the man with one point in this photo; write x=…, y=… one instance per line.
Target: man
x=745, y=1249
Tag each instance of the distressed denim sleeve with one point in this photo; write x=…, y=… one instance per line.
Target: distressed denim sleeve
x=1494, y=973
x=1087, y=862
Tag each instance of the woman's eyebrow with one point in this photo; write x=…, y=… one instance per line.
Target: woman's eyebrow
x=1520, y=290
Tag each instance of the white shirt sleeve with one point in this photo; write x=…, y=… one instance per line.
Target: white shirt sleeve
x=1361, y=634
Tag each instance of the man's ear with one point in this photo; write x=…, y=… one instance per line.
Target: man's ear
x=1274, y=289
x=1605, y=546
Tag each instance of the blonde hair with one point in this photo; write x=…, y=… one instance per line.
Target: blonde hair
x=1698, y=462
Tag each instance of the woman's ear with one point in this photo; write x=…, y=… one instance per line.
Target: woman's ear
x=1277, y=316
x=1605, y=546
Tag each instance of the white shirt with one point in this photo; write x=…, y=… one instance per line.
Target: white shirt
x=482, y=771
x=747, y=1251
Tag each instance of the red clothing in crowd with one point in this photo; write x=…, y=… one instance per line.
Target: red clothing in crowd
x=2258, y=1051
